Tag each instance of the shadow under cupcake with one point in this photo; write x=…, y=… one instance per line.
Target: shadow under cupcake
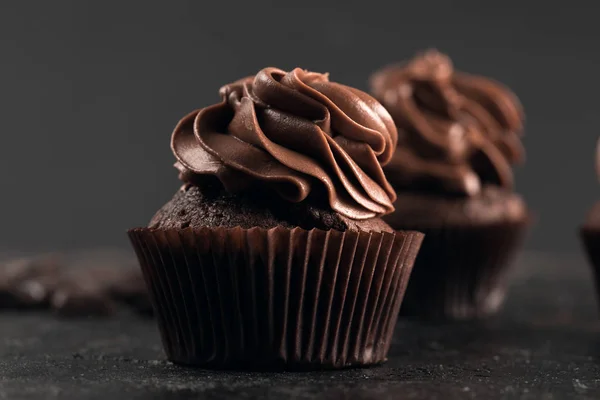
x=273, y=255
x=459, y=136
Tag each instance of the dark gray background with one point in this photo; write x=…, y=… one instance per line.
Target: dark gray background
x=92, y=89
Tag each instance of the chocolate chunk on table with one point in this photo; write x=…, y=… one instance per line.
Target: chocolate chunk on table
x=28, y=282
x=92, y=283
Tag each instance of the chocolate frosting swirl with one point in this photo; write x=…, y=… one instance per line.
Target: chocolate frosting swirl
x=457, y=132
x=297, y=133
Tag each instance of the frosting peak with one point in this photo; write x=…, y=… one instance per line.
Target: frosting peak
x=297, y=133
x=433, y=65
x=457, y=132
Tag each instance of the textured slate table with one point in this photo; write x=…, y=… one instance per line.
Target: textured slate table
x=544, y=344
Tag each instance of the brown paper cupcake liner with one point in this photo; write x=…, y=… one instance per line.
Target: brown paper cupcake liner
x=460, y=272
x=591, y=243
x=278, y=298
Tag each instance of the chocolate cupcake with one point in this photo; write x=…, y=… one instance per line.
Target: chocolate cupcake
x=272, y=255
x=590, y=231
x=458, y=138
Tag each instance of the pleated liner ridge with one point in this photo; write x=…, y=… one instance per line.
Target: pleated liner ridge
x=276, y=298
x=591, y=242
x=460, y=272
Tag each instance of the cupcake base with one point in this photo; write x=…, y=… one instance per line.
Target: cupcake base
x=460, y=272
x=280, y=298
x=591, y=243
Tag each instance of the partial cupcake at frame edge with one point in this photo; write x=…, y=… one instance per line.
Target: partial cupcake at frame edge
x=459, y=137
x=590, y=231
x=273, y=254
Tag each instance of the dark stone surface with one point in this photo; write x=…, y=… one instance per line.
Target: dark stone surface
x=544, y=344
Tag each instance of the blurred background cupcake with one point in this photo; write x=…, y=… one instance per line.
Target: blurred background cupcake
x=273, y=253
x=590, y=231
x=459, y=137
